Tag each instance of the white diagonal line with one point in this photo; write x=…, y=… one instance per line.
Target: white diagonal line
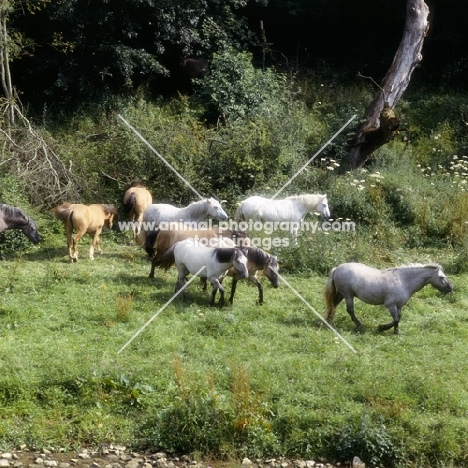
x=160, y=310
x=162, y=159
x=317, y=314
x=313, y=157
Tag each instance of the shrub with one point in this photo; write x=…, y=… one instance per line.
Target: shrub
x=370, y=441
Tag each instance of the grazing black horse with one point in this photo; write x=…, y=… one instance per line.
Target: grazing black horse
x=12, y=217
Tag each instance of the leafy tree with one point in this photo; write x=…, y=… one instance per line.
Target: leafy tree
x=81, y=49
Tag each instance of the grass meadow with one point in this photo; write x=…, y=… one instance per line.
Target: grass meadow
x=250, y=380
x=246, y=380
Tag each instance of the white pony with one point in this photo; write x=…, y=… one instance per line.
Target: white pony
x=291, y=209
x=190, y=256
x=196, y=212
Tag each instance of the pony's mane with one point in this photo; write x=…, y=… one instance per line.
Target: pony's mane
x=109, y=209
x=223, y=254
x=257, y=256
x=418, y=265
x=137, y=183
x=13, y=211
x=307, y=196
x=197, y=207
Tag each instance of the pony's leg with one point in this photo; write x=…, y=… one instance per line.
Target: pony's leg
x=74, y=247
x=350, y=310
x=181, y=278
x=294, y=230
x=233, y=290
x=154, y=264
x=137, y=228
x=70, y=242
x=257, y=283
x=395, y=312
x=217, y=286
x=96, y=243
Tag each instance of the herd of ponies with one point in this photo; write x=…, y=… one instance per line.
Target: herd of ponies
x=228, y=252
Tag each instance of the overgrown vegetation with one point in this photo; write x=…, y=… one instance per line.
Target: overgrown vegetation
x=246, y=380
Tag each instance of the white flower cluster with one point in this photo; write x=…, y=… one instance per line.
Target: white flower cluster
x=457, y=171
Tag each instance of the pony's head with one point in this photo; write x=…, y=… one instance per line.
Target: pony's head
x=30, y=230
x=239, y=262
x=215, y=209
x=271, y=271
x=440, y=281
x=322, y=206
x=109, y=211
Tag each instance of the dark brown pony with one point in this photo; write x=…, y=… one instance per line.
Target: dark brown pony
x=84, y=219
x=257, y=259
x=164, y=240
x=12, y=217
x=136, y=200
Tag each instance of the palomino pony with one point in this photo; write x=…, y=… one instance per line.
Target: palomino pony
x=136, y=200
x=12, y=217
x=84, y=219
x=257, y=259
x=291, y=209
x=189, y=257
x=166, y=239
x=196, y=212
x=392, y=287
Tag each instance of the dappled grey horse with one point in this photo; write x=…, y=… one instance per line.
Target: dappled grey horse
x=392, y=287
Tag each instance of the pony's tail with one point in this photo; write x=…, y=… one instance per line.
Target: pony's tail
x=62, y=212
x=167, y=260
x=331, y=294
x=129, y=204
x=150, y=242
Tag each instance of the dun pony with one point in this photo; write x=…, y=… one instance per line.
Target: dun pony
x=136, y=199
x=84, y=219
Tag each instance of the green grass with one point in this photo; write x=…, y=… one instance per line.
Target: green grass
x=245, y=380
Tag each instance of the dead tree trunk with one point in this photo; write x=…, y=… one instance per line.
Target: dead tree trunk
x=5, y=75
x=381, y=123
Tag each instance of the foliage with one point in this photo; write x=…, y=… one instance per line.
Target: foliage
x=370, y=441
x=80, y=54
x=236, y=90
x=245, y=380
x=187, y=385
